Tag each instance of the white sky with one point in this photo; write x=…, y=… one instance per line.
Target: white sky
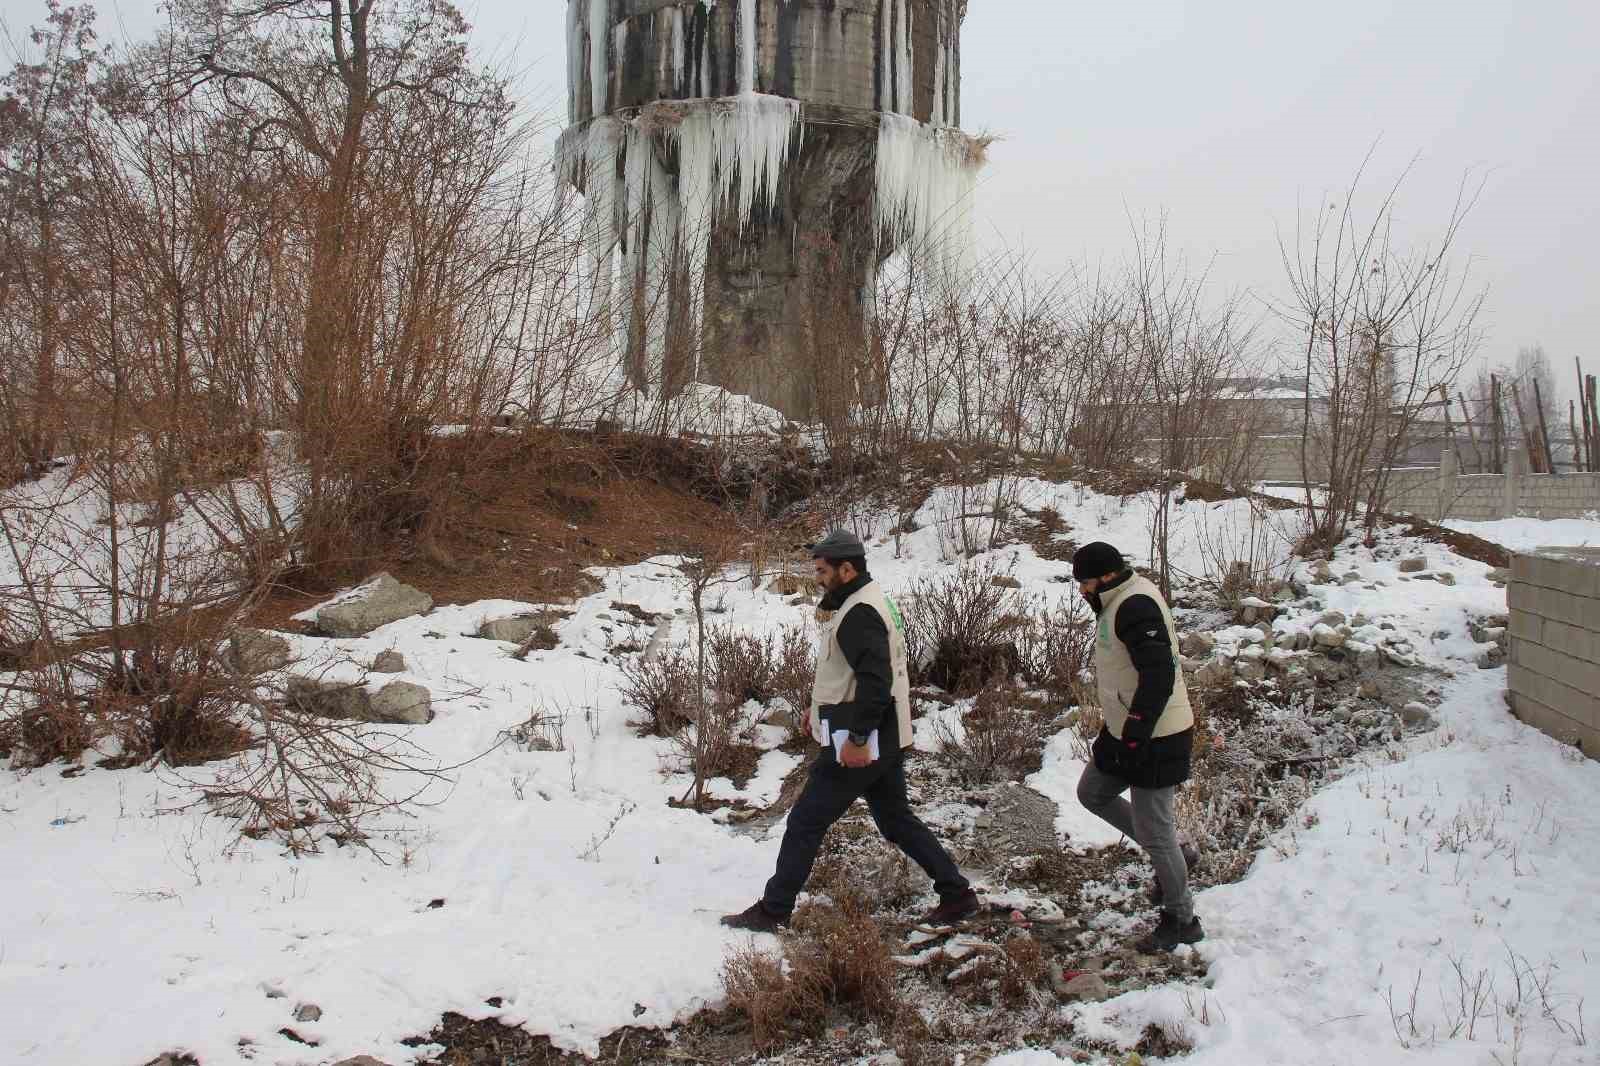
x=1225, y=115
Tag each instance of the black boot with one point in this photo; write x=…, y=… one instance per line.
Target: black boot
x=1191, y=859
x=756, y=918
x=953, y=910
x=1169, y=933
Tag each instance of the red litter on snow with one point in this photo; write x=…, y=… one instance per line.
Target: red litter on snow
x=1073, y=975
x=1018, y=917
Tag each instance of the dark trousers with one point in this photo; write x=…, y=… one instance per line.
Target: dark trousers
x=829, y=792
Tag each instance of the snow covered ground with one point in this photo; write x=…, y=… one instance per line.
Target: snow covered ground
x=1525, y=534
x=136, y=926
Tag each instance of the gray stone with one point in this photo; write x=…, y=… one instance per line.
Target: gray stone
x=1445, y=577
x=402, y=703
x=1321, y=572
x=397, y=703
x=1361, y=621
x=1085, y=988
x=512, y=630
x=256, y=651
x=1005, y=581
x=1499, y=575
x=378, y=602
x=330, y=699
x=389, y=662
x=1417, y=716
x=1491, y=657
x=1333, y=618
x=1370, y=690
x=1269, y=636
x=1325, y=636
x=1352, y=578
x=1198, y=645
x=1252, y=669
x=1415, y=565
x=308, y=1012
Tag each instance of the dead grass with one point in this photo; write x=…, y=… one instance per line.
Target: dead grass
x=836, y=958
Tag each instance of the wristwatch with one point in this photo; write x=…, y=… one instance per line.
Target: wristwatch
x=860, y=740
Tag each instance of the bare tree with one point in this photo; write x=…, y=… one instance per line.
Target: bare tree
x=1380, y=328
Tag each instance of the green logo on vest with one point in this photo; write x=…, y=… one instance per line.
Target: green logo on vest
x=894, y=613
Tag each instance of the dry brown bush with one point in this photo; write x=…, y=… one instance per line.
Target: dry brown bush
x=1024, y=970
x=835, y=957
x=744, y=666
x=962, y=629
x=662, y=687
x=1003, y=738
x=1056, y=646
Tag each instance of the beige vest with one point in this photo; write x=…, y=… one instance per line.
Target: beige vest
x=1114, y=670
x=836, y=681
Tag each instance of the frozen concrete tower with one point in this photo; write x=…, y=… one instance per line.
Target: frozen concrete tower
x=747, y=167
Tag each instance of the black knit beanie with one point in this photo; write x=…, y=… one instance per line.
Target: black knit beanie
x=1096, y=560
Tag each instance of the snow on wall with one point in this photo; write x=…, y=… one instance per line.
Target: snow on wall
x=731, y=153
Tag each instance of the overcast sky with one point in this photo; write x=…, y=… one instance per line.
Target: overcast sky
x=1226, y=115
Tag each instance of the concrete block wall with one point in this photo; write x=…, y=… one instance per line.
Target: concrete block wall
x=1554, y=675
x=1438, y=493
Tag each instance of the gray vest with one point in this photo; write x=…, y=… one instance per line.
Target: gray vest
x=836, y=681
x=1114, y=670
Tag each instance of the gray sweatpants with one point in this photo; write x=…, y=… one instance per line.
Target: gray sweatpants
x=1149, y=821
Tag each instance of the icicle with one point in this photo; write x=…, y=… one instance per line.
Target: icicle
x=902, y=64
x=926, y=181
x=678, y=49
x=747, y=46
x=600, y=193
x=885, y=55
x=653, y=223
x=574, y=59
x=599, y=61
x=619, y=36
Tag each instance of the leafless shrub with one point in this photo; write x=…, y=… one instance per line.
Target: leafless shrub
x=796, y=672
x=310, y=778
x=962, y=628
x=545, y=729
x=1056, y=645
x=744, y=666
x=999, y=739
x=713, y=745
x=661, y=687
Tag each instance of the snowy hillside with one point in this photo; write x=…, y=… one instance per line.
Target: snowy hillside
x=1432, y=902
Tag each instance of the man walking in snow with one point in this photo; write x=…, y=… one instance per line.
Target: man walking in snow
x=862, y=687
x=1144, y=746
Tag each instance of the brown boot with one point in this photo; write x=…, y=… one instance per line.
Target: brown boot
x=953, y=910
x=756, y=918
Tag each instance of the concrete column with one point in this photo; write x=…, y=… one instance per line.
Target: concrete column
x=1516, y=474
x=1448, y=469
